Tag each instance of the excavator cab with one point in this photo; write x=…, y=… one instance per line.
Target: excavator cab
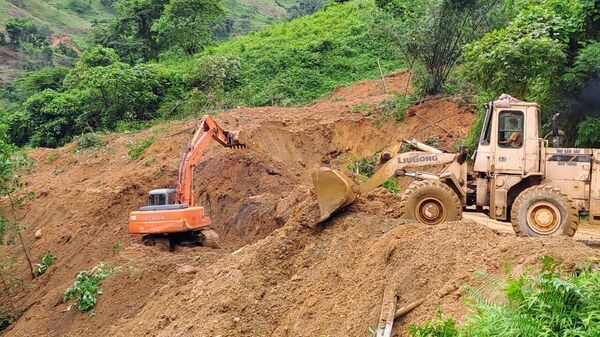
x=162, y=199
x=162, y=196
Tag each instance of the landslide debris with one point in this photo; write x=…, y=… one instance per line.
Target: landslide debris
x=279, y=274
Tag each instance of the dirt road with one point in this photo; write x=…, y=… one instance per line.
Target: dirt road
x=586, y=233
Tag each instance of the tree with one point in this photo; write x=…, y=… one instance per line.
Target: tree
x=304, y=7
x=185, y=24
x=528, y=55
x=433, y=33
x=130, y=33
x=11, y=162
x=20, y=29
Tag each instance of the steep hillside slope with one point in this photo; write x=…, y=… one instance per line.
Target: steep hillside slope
x=83, y=198
x=278, y=273
x=298, y=61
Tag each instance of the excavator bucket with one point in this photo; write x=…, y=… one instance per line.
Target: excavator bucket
x=334, y=190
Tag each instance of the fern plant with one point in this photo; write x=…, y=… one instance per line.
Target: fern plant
x=542, y=304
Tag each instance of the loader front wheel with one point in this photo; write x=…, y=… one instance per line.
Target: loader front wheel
x=430, y=202
x=544, y=211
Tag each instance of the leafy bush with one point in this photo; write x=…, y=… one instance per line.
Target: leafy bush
x=365, y=166
x=89, y=141
x=543, y=304
x=397, y=106
x=79, y=6
x=391, y=185
x=588, y=134
x=86, y=286
x=6, y=318
x=215, y=73
x=439, y=327
x=46, y=261
x=137, y=149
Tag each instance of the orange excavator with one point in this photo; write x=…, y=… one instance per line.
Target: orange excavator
x=171, y=213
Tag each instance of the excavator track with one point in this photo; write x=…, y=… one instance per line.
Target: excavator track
x=204, y=238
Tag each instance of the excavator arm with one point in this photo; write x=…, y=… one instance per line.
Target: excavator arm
x=335, y=189
x=206, y=130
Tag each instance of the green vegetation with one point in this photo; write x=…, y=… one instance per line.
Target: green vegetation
x=542, y=304
x=117, y=246
x=7, y=317
x=89, y=141
x=535, y=58
x=46, y=261
x=87, y=286
x=301, y=60
x=367, y=166
x=138, y=148
x=147, y=72
x=12, y=164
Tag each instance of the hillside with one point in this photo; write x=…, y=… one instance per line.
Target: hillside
x=72, y=19
x=278, y=273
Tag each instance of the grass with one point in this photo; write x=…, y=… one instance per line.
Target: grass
x=138, y=148
x=89, y=141
x=298, y=61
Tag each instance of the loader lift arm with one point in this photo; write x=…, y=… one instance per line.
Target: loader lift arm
x=335, y=189
x=206, y=130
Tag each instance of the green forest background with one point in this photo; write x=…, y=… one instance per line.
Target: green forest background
x=86, y=66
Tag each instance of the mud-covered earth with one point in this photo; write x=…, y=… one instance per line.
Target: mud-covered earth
x=278, y=273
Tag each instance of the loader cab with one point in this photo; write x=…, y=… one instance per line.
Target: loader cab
x=509, y=152
x=509, y=142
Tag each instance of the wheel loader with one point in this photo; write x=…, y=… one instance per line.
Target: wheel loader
x=517, y=176
x=171, y=214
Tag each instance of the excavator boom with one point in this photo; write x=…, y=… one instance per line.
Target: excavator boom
x=336, y=190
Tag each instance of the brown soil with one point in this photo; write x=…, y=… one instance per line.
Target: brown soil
x=278, y=273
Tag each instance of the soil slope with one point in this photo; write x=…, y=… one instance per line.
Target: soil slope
x=278, y=273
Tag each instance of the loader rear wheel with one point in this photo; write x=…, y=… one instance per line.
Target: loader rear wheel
x=544, y=211
x=430, y=202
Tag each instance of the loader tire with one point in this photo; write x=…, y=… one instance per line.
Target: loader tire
x=544, y=210
x=430, y=202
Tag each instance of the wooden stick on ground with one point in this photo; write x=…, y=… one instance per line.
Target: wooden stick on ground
x=388, y=310
x=408, y=308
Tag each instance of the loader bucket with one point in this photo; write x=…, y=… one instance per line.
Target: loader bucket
x=334, y=190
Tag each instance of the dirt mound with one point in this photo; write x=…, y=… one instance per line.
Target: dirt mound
x=329, y=281
x=257, y=198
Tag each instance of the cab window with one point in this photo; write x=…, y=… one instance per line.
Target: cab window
x=510, y=129
x=156, y=199
x=487, y=126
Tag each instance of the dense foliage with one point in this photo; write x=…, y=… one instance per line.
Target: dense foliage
x=537, y=50
x=431, y=34
x=544, y=304
x=290, y=63
x=547, y=53
x=299, y=61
